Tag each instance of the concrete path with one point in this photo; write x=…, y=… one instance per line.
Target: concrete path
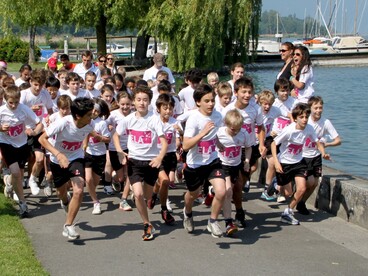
x=111, y=243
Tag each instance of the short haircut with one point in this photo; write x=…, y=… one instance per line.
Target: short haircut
x=65, y=72
x=64, y=101
x=7, y=81
x=289, y=45
x=212, y=76
x=87, y=53
x=164, y=85
x=128, y=80
x=233, y=118
x=314, y=100
x=107, y=88
x=81, y=106
x=38, y=75
x=237, y=64
x=123, y=94
x=64, y=57
x=24, y=86
x=109, y=80
x=165, y=99
x=281, y=84
x=52, y=82
x=266, y=95
x=300, y=109
x=25, y=67
x=243, y=82
x=103, y=107
x=162, y=73
x=142, y=89
x=90, y=74
x=12, y=91
x=194, y=75
x=72, y=77
x=224, y=89
x=201, y=90
x=142, y=82
x=105, y=72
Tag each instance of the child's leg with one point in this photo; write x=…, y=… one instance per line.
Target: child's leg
x=139, y=200
x=300, y=183
x=164, y=182
x=312, y=183
x=218, y=201
x=126, y=181
x=92, y=181
x=76, y=201
x=189, y=198
x=16, y=180
x=270, y=173
x=228, y=197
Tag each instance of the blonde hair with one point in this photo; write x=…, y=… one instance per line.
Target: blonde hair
x=223, y=89
x=266, y=95
x=12, y=92
x=233, y=118
x=212, y=76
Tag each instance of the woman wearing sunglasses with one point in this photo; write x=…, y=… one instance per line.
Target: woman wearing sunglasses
x=302, y=75
x=286, y=52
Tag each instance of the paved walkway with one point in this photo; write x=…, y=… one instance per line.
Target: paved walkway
x=111, y=243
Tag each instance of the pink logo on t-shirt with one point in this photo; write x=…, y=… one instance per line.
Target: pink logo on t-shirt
x=282, y=123
x=231, y=152
x=206, y=147
x=71, y=146
x=93, y=140
x=141, y=137
x=169, y=138
x=268, y=128
x=309, y=143
x=295, y=149
x=248, y=128
x=15, y=130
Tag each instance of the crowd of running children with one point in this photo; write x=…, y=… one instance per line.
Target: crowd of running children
x=130, y=135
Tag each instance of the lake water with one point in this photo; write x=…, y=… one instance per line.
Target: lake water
x=345, y=94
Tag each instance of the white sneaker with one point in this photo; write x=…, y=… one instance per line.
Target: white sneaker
x=168, y=205
x=108, y=190
x=15, y=197
x=69, y=231
x=281, y=199
x=215, y=229
x=23, y=209
x=33, y=185
x=65, y=207
x=8, y=189
x=96, y=209
x=47, y=190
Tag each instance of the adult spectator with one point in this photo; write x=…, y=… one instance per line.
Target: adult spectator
x=150, y=73
x=286, y=52
x=66, y=64
x=110, y=63
x=101, y=62
x=82, y=68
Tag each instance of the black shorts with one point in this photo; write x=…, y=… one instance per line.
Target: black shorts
x=141, y=171
x=12, y=155
x=114, y=160
x=267, y=143
x=169, y=163
x=34, y=143
x=314, y=166
x=62, y=176
x=96, y=162
x=290, y=172
x=232, y=171
x=194, y=178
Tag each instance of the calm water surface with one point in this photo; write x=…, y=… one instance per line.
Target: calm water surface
x=345, y=94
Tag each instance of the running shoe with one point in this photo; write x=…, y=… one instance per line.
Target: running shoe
x=8, y=189
x=199, y=199
x=65, y=206
x=240, y=219
x=209, y=197
x=108, y=190
x=266, y=197
x=167, y=217
x=96, y=209
x=246, y=187
x=148, y=232
x=116, y=186
x=168, y=205
x=23, y=209
x=35, y=190
x=281, y=199
x=47, y=190
x=172, y=185
x=302, y=208
x=214, y=228
x=289, y=218
x=124, y=205
x=231, y=229
x=188, y=223
x=69, y=232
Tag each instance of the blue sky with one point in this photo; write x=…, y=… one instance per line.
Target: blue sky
x=299, y=7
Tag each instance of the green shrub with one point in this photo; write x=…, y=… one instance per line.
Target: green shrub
x=13, y=49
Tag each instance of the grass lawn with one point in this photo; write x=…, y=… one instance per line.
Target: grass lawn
x=15, y=66
x=17, y=254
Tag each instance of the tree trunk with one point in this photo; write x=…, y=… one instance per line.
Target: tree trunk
x=101, y=33
x=140, y=54
x=32, y=35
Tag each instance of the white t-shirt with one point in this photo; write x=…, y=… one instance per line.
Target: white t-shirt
x=81, y=93
x=204, y=152
x=43, y=100
x=269, y=118
x=81, y=71
x=54, y=103
x=143, y=135
x=94, y=93
x=17, y=120
x=150, y=74
x=186, y=97
x=231, y=155
x=68, y=137
x=170, y=134
x=19, y=82
x=177, y=109
x=292, y=141
x=252, y=117
x=96, y=147
x=115, y=117
x=283, y=121
x=322, y=127
x=308, y=80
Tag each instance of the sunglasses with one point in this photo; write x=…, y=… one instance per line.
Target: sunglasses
x=283, y=51
x=297, y=54
x=102, y=60
x=109, y=58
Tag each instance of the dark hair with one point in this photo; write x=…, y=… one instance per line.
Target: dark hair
x=243, y=82
x=38, y=75
x=52, y=82
x=289, y=45
x=142, y=82
x=25, y=67
x=119, y=77
x=128, y=80
x=315, y=99
x=300, y=109
x=306, y=61
x=105, y=72
x=64, y=57
x=24, y=86
x=281, y=83
x=164, y=85
x=81, y=106
x=201, y=90
x=237, y=64
x=123, y=94
x=104, y=107
x=165, y=99
x=12, y=91
x=162, y=73
x=142, y=89
x=64, y=101
x=90, y=74
x=72, y=77
x=109, y=80
x=194, y=75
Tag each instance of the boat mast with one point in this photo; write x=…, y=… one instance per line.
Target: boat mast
x=323, y=20
x=356, y=16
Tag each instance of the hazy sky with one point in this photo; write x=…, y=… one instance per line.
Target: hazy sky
x=345, y=20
